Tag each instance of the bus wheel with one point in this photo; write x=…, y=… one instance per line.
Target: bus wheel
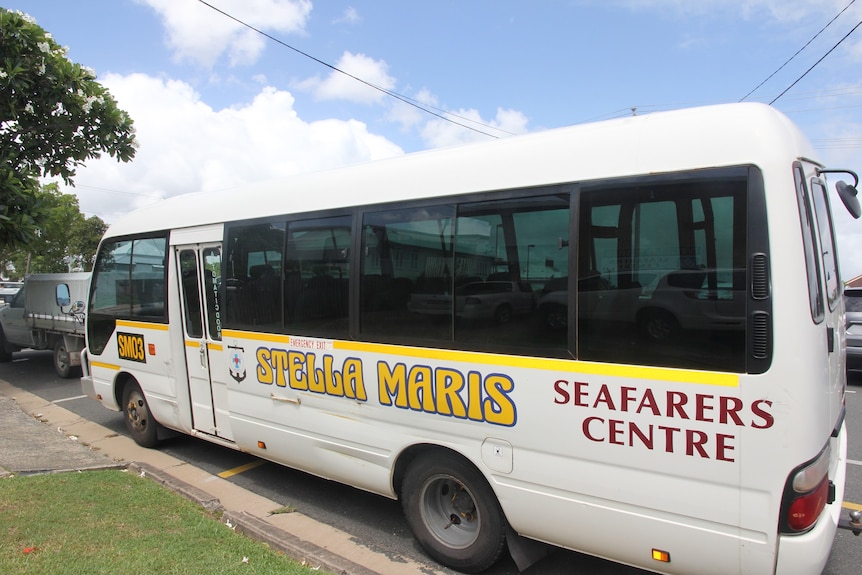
x=453, y=512
x=61, y=360
x=141, y=425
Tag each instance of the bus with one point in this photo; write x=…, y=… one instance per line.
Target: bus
x=623, y=338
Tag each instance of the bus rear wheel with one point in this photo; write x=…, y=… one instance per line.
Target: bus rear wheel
x=453, y=512
x=139, y=421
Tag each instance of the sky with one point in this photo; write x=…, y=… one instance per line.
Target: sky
x=228, y=92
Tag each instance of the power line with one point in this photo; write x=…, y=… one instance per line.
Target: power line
x=397, y=96
x=816, y=63
x=797, y=52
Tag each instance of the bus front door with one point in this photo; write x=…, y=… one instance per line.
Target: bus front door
x=199, y=276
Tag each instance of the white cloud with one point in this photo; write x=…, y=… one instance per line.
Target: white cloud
x=187, y=146
x=781, y=10
x=196, y=33
x=438, y=133
x=350, y=16
x=338, y=86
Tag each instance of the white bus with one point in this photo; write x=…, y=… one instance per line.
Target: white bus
x=622, y=338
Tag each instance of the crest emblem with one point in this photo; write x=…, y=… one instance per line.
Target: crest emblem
x=237, y=363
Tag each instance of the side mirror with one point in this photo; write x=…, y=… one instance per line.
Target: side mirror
x=64, y=298
x=77, y=308
x=848, y=195
x=846, y=192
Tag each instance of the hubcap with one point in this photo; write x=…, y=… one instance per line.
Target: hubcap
x=449, y=512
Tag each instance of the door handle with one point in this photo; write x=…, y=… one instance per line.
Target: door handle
x=203, y=352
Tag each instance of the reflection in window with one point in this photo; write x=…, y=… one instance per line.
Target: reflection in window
x=473, y=281
x=407, y=274
x=191, y=294
x=317, y=277
x=253, y=276
x=662, y=275
x=128, y=283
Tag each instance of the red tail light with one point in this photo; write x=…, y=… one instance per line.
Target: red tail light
x=805, y=510
x=806, y=494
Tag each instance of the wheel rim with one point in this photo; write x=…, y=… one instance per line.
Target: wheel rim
x=136, y=412
x=62, y=358
x=659, y=328
x=449, y=511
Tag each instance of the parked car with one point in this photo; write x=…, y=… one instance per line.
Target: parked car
x=497, y=300
x=853, y=326
x=660, y=304
x=8, y=290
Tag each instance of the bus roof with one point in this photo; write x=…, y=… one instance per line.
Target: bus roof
x=693, y=138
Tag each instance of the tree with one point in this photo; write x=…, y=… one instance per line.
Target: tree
x=67, y=240
x=53, y=117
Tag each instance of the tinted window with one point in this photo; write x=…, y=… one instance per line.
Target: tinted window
x=662, y=275
x=253, y=276
x=827, y=242
x=129, y=283
x=806, y=222
x=468, y=276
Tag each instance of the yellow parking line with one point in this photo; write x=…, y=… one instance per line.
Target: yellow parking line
x=244, y=468
x=853, y=506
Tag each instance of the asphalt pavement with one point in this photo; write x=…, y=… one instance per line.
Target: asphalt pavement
x=37, y=436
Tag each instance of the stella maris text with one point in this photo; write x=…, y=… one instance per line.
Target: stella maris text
x=442, y=390
x=611, y=404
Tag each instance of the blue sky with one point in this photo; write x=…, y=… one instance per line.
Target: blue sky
x=216, y=104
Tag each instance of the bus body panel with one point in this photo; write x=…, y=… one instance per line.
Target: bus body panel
x=615, y=480
x=577, y=452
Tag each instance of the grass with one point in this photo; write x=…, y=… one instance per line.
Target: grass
x=117, y=522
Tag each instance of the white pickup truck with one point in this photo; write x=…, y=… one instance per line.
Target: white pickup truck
x=47, y=313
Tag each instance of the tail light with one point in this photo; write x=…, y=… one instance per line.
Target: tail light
x=806, y=494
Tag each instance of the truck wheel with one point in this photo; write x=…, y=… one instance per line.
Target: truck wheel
x=61, y=360
x=139, y=422
x=453, y=512
x=5, y=356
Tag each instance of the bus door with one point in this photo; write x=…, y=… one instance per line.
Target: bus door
x=199, y=276
x=830, y=283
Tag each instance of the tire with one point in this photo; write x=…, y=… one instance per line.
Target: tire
x=453, y=512
x=503, y=314
x=658, y=325
x=556, y=317
x=139, y=421
x=5, y=355
x=61, y=360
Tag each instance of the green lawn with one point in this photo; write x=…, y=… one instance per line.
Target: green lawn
x=117, y=522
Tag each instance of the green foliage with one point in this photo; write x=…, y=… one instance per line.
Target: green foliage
x=67, y=240
x=53, y=117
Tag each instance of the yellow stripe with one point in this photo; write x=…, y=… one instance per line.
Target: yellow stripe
x=142, y=325
x=270, y=337
x=565, y=365
x=853, y=506
x=104, y=365
x=241, y=469
x=210, y=345
x=562, y=365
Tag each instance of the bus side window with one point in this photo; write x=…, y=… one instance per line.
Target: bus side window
x=253, y=276
x=671, y=263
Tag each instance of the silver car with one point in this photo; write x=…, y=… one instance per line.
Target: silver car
x=8, y=291
x=853, y=323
